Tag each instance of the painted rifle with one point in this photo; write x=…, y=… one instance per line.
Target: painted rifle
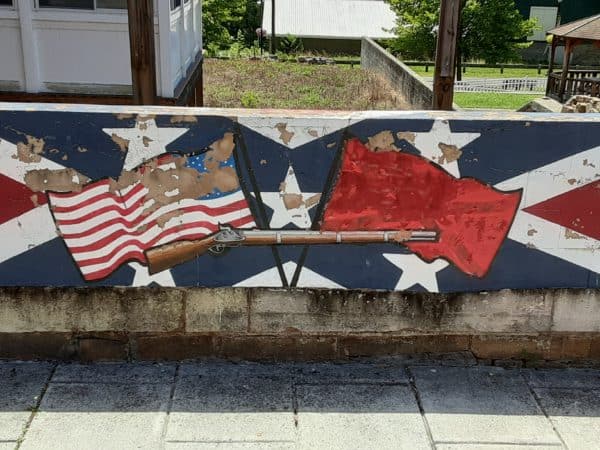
x=169, y=255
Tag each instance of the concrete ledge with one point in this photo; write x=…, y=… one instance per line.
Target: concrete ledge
x=159, y=323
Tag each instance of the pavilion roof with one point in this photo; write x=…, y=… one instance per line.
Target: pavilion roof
x=587, y=28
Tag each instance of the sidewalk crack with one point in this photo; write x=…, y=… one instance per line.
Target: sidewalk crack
x=36, y=407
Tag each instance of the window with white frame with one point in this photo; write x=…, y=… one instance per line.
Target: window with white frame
x=83, y=4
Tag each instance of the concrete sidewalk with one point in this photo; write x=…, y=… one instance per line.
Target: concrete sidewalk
x=378, y=404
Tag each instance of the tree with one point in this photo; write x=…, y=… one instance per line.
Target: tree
x=226, y=20
x=491, y=30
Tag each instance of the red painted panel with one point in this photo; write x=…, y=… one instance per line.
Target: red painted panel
x=396, y=190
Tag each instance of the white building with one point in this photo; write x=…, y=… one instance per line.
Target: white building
x=55, y=49
x=331, y=25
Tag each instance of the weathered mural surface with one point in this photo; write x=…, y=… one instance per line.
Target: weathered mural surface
x=406, y=201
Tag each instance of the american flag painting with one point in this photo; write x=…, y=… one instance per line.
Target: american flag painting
x=416, y=201
x=103, y=228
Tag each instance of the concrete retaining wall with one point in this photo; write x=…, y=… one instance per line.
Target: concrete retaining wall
x=413, y=89
x=261, y=324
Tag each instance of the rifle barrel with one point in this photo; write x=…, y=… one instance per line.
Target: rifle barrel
x=299, y=237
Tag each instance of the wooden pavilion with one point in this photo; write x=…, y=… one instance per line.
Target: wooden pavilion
x=566, y=83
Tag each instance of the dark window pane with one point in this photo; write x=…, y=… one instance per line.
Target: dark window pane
x=175, y=4
x=6, y=2
x=77, y=4
x=111, y=4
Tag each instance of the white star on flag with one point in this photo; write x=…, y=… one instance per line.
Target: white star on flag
x=545, y=183
x=283, y=216
x=145, y=140
x=430, y=145
x=34, y=227
x=415, y=271
x=143, y=278
x=270, y=278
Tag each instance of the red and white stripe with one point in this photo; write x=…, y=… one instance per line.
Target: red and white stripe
x=104, y=230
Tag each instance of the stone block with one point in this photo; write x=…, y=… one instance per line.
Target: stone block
x=60, y=310
x=172, y=347
x=276, y=348
x=83, y=416
x=378, y=345
x=498, y=312
x=154, y=310
x=20, y=389
x=216, y=310
x=513, y=347
x=275, y=311
x=481, y=404
x=113, y=347
x=575, y=414
x=226, y=409
x=359, y=416
x=25, y=346
x=576, y=310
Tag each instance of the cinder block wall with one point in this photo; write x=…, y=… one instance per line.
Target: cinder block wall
x=410, y=85
x=277, y=324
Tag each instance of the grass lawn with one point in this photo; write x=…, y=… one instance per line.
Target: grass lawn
x=493, y=100
x=240, y=83
x=484, y=72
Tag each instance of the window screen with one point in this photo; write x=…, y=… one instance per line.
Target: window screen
x=76, y=4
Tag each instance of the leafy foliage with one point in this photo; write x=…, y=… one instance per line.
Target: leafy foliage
x=290, y=45
x=491, y=30
x=228, y=21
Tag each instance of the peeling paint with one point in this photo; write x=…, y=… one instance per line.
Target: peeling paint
x=31, y=151
x=382, y=142
x=450, y=153
x=63, y=180
x=407, y=136
x=570, y=234
x=285, y=135
x=184, y=119
x=121, y=142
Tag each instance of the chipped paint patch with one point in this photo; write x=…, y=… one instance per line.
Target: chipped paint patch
x=284, y=134
x=184, y=119
x=30, y=151
x=122, y=143
x=407, y=136
x=450, y=153
x=62, y=180
x=382, y=142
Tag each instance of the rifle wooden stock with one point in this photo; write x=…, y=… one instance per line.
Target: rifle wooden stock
x=169, y=255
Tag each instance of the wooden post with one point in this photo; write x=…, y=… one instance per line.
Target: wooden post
x=565, y=69
x=551, y=63
x=273, y=44
x=141, y=46
x=443, y=80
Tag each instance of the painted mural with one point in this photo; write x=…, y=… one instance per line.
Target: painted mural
x=406, y=201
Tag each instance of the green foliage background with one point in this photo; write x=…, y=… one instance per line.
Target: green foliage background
x=229, y=21
x=491, y=30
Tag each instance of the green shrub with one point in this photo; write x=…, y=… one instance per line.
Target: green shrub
x=249, y=99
